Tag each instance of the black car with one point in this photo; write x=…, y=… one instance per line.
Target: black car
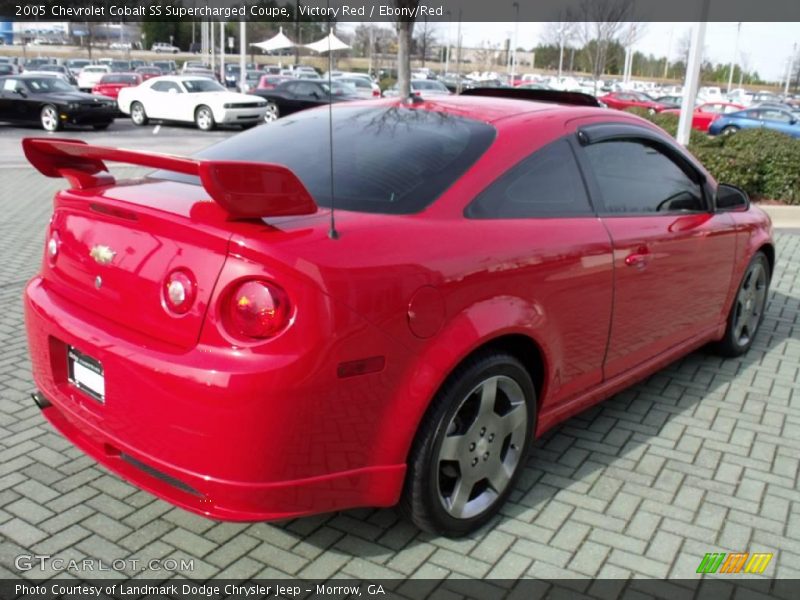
x=51, y=102
x=298, y=94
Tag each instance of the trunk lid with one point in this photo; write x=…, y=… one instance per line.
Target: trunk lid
x=114, y=255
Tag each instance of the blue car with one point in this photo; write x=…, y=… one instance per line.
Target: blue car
x=755, y=118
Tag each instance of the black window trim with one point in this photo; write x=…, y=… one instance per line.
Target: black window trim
x=596, y=133
x=570, y=139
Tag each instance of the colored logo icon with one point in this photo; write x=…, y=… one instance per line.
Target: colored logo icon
x=729, y=564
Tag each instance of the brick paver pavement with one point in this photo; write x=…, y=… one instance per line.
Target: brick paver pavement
x=701, y=457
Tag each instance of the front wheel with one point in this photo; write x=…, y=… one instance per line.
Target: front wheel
x=748, y=309
x=204, y=118
x=272, y=113
x=49, y=118
x=471, y=446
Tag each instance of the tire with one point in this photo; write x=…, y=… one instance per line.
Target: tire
x=747, y=312
x=729, y=130
x=138, y=114
x=272, y=113
x=48, y=117
x=204, y=118
x=469, y=429
x=651, y=111
x=101, y=126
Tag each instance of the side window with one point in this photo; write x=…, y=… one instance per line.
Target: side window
x=9, y=85
x=545, y=184
x=636, y=178
x=160, y=86
x=307, y=89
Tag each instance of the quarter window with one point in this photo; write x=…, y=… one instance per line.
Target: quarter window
x=546, y=184
x=636, y=178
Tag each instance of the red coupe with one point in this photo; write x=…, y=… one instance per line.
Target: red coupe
x=270, y=329
x=623, y=100
x=111, y=84
x=707, y=113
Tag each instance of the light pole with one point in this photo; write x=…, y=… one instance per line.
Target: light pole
x=733, y=58
x=449, y=40
x=514, y=49
x=692, y=76
x=789, y=69
x=222, y=52
x=669, y=51
x=560, y=50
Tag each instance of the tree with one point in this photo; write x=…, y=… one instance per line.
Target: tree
x=405, y=31
x=424, y=41
x=601, y=22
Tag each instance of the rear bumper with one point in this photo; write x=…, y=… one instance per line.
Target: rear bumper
x=208, y=430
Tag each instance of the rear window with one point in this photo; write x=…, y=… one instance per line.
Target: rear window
x=393, y=160
x=119, y=79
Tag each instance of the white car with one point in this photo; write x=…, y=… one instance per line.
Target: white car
x=160, y=47
x=710, y=94
x=91, y=75
x=192, y=99
x=364, y=86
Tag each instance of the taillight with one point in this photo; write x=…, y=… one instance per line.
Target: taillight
x=179, y=291
x=257, y=309
x=376, y=93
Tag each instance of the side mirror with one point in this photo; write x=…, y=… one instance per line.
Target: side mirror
x=731, y=198
x=315, y=94
x=21, y=92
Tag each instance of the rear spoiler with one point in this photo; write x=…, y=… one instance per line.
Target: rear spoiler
x=555, y=96
x=245, y=190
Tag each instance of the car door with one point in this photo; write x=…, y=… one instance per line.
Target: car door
x=556, y=255
x=8, y=96
x=779, y=120
x=673, y=255
x=161, y=100
x=308, y=94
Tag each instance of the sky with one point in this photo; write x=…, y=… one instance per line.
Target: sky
x=766, y=47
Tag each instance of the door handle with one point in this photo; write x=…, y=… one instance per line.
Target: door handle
x=638, y=259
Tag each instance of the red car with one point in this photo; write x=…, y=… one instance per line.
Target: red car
x=148, y=72
x=270, y=82
x=623, y=100
x=707, y=113
x=111, y=84
x=219, y=335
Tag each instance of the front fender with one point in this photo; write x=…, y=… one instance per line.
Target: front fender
x=474, y=327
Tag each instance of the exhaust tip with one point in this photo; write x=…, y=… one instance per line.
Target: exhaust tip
x=40, y=400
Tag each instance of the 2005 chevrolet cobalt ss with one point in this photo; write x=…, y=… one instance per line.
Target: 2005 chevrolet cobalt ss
x=495, y=266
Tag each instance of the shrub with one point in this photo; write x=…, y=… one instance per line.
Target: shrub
x=764, y=163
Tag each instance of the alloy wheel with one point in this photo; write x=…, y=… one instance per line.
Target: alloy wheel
x=271, y=114
x=205, y=120
x=49, y=118
x=482, y=447
x=750, y=303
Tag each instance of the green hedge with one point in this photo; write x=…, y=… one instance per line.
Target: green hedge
x=764, y=163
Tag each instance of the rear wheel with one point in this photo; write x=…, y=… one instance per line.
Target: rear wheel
x=729, y=130
x=204, y=118
x=272, y=113
x=471, y=446
x=138, y=114
x=49, y=118
x=748, y=308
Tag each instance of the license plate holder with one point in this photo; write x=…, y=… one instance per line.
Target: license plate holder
x=86, y=374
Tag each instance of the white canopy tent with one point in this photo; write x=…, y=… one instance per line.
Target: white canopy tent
x=328, y=44
x=277, y=42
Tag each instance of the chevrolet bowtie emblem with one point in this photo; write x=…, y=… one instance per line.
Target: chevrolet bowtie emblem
x=102, y=255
